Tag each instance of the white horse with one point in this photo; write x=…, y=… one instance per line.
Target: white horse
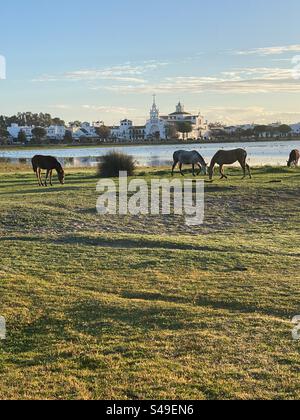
x=189, y=158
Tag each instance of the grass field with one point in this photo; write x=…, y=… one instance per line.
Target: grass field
x=102, y=307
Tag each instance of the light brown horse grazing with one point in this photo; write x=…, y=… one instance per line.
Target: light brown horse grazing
x=229, y=157
x=49, y=164
x=294, y=158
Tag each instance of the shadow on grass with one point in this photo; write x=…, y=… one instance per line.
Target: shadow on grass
x=120, y=243
x=206, y=302
x=42, y=190
x=38, y=334
x=274, y=170
x=111, y=243
x=97, y=317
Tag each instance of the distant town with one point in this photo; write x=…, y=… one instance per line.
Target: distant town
x=37, y=129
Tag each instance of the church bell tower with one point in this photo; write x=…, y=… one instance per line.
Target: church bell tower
x=154, y=112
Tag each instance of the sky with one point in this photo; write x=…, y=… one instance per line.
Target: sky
x=235, y=61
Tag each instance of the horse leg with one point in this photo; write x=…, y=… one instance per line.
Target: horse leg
x=51, y=178
x=243, y=165
x=222, y=172
x=194, y=169
x=249, y=171
x=173, y=167
x=40, y=177
x=180, y=167
x=46, y=178
x=37, y=177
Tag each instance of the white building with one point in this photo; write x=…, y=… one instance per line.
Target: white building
x=86, y=129
x=123, y=131
x=295, y=129
x=199, y=124
x=15, y=129
x=56, y=132
x=156, y=126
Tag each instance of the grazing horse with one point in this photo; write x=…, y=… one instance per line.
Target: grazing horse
x=229, y=157
x=189, y=158
x=48, y=163
x=294, y=158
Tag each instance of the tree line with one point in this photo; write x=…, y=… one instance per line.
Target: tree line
x=30, y=119
x=257, y=131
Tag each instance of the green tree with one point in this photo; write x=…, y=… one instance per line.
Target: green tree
x=171, y=131
x=284, y=130
x=68, y=138
x=22, y=138
x=4, y=135
x=240, y=133
x=75, y=124
x=184, y=127
x=259, y=130
x=3, y=121
x=249, y=132
x=4, y=132
x=38, y=133
x=103, y=132
x=58, y=121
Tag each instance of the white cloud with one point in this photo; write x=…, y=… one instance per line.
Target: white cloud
x=109, y=109
x=271, y=50
x=122, y=73
x=61, y=106
x=238, y=81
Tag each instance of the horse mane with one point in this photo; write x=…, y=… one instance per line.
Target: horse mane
x=214, y=161
x=58, y=167
x=201, y=158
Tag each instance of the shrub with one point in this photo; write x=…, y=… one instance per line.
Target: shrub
x=111, y=164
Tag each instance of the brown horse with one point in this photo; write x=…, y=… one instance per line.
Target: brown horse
x=294, y=158
x=49, y=164
x=229, y=157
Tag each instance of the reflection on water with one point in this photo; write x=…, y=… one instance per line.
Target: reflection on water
x=261, y=153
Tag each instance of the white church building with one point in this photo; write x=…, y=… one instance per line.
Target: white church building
x=198, y=123
x=157, y=126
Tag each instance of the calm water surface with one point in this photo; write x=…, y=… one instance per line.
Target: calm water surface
x=261, y=153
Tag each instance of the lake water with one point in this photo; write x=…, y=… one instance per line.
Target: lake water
x=260, y=153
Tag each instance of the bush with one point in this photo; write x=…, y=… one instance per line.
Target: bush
x=111, y=164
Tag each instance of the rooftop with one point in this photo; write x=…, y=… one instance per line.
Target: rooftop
x=180, y=113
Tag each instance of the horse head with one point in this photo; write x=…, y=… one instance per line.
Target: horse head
x=205, y=169
x=210, y=172
x=61, y=175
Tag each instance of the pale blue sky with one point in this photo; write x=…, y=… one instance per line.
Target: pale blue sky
x=94, y=60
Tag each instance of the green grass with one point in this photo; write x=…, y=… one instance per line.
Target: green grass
x=102, y=307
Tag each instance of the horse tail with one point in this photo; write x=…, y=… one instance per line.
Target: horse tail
x=245, y=156
x=176, y=157
x=34, y=165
